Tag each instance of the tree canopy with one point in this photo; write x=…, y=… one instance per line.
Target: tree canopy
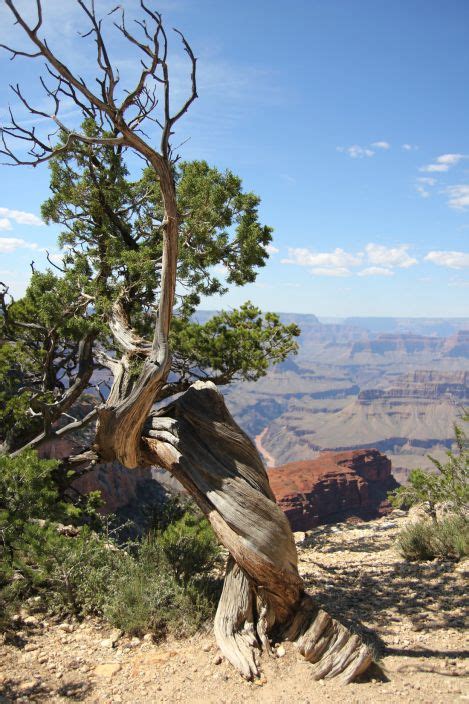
x=111, y=244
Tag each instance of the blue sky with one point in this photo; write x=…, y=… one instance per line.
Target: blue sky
x=349, y=119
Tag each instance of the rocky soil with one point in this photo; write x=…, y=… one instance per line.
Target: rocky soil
x=412, y=614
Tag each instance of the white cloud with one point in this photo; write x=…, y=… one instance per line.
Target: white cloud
x=271, y=249
x=453, y=260
x=443, y=163
x=20, y=217
x=382, y=260
x=5, y=224
x=381, y=255
x=427, y=180
x=381, y=145
x=459, y=284
x=458, y=196
x=422, y=191
x=376, y=271
x=450, y=159
x=331, y=271
x=356, y=151
x=409, y=147
x=11, y=244
x=337, y=258
x=435, y=167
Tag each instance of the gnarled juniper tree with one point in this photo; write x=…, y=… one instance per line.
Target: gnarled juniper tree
x=137, y=256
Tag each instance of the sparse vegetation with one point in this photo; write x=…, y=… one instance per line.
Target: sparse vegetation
x=162, y=584
x=447, y=539
x=445, y=536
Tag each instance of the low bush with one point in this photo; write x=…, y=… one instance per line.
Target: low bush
x=426, y=540
x=448, y=485
x=162, y=584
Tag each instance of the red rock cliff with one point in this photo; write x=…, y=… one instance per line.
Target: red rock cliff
x=333, y=487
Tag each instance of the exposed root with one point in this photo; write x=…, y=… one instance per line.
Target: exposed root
x=234, y=627
x=330, y=647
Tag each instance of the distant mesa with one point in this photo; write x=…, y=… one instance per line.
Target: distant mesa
x=456, y=345
x=334, y=487
x=403, y=343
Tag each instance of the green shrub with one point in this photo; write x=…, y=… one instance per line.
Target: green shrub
x=189, y=546
x=426, y=540
x=169, y=586
x=163, y=584
x=449, y=485
x=147, y=596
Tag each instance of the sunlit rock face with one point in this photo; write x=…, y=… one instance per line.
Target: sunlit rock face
x=334, y=487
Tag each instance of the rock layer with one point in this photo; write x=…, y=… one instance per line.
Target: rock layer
x=333, y=487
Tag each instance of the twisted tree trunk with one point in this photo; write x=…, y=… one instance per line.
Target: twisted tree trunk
x=198, y=441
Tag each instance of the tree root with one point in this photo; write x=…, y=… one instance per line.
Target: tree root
x=330, y=646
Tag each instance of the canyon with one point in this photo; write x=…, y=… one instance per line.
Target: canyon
x=397, y=385
x=360, y=393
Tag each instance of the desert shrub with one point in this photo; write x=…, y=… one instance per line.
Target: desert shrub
x=169, y=586
x=448, y=485
x=427, y=540
x=189, y=546
x=163, y=583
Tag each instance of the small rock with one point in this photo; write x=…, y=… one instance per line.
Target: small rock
x=299, y=537
x=148, y=637
x=107, y=669
x=26, y=686
x=397, y=513
x=31, y=621
x=29, y=647
x=207, y=648
x=67, y=627
x=106, y=643
x=217, y=660
x=134, y=642
x=281, y=651
x=115, y=634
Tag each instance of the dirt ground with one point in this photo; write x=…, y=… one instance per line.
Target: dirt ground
x=413, y=616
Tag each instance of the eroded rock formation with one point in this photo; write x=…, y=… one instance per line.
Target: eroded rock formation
x=333, y=487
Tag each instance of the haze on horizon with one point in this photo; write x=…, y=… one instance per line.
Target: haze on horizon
x=349, y=121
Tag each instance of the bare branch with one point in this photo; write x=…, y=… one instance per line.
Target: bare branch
x=59, y=268
x=54, y=435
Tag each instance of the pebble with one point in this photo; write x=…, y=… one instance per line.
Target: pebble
x=107, y=669
x=31, y=621
x=67, y=627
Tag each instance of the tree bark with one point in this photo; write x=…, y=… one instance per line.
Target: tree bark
x=197, y=440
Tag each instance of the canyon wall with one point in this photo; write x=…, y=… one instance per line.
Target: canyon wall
x=334, y=487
